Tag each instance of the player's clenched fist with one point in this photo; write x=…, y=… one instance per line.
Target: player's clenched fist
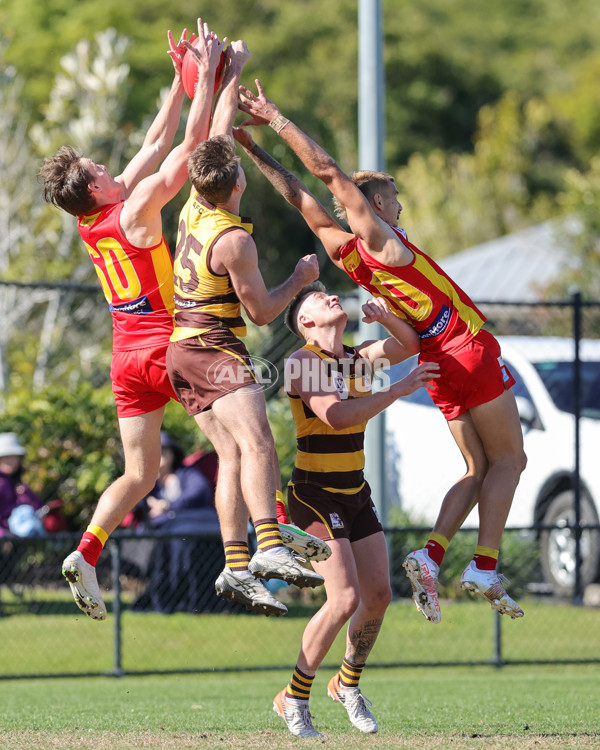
x=307, y=269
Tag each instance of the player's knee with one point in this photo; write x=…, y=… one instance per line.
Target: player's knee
x=346, y=604
x=512, y=463
x=379, y=599
x=258, y=444
x=142, y=484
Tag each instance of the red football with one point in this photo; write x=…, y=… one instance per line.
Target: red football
x=189, y=72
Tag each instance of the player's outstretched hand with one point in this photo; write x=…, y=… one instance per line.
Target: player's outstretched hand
x=261, y=110
x=418, y=378
x=376, y=310
x=237, y=54
x=177, y=51
x=307, y=269
x=208, y=49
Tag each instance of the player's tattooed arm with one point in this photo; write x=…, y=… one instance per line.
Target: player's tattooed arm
x=282, y=179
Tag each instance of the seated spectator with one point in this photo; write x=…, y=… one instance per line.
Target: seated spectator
x=181, y=569
x=18, y=502
x=178, y=488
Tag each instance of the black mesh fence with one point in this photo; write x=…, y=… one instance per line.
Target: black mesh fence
x=163, y=614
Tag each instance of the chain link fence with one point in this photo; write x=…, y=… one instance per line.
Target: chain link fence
x=163, y=615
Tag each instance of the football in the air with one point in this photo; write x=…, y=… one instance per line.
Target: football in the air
x=189, y=72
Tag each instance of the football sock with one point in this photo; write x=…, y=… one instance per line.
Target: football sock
x=92, y=543
x=350, y=674
x=299, y=686
x=282, y=516
x=485, y=558
x=237, y=556
x=268, y=536
x=436, y=547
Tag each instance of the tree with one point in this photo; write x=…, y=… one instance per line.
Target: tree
x=510, y=180
x=47, y=328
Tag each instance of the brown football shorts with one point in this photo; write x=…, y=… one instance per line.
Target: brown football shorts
x=205, y=368
x=333, y=515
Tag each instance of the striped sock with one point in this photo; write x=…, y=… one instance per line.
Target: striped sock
x=92, y=543
x=350, y=674
x=237, y=556
x=436, y=547
x=268, y=536
x=485, y=558
x=300, y=685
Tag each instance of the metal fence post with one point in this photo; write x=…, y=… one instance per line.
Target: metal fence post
x=577, y=305
x=115, y=557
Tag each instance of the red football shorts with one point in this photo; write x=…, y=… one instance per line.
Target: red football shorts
x=470, y=377
x=140, y=381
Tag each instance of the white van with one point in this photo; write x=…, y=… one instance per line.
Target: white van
x=426, y=461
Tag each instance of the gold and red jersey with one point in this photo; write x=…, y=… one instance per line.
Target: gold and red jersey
x=444, y=317
x=331, y=459
x=204, y=300
x=137, y=281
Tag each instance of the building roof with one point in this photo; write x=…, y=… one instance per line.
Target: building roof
x=513, y=268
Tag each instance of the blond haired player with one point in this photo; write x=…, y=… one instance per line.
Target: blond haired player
x=473, y=390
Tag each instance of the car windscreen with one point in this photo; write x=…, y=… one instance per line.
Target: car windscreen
x=558, y=379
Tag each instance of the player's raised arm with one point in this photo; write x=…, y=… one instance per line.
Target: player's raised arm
x=237, y=54
x=141, y=214
x=237, y=253
x=361, y=218
x=160, y=134
x=322, y=224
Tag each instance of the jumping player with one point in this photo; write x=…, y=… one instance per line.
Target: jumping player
x=473, y=391
x=216, y=272
x=119, y=220
x=329, y=390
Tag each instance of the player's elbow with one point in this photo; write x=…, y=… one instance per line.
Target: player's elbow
x=411, y=348
x=326, y=168
x=335, y=418
x=258, y=317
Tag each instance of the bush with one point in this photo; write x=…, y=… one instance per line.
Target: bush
x=73, y=444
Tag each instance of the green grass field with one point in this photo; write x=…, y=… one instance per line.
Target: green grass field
x=447, y=707
x=545, y=706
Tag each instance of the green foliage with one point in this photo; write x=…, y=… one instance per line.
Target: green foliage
x=582, y=198
x=509, y=181
x=73, y=447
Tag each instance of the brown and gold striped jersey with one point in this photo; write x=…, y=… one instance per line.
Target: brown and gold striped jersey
x=331, y=459
x=204, y=300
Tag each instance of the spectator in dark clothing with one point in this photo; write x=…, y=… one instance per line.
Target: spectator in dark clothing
x=178, y=487
x=18, y=502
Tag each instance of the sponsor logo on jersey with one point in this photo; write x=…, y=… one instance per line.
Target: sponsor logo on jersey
x=336, y=521
x=140, y=306
x=438, y=326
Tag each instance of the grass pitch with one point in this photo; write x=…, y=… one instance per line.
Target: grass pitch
x=446, y=707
